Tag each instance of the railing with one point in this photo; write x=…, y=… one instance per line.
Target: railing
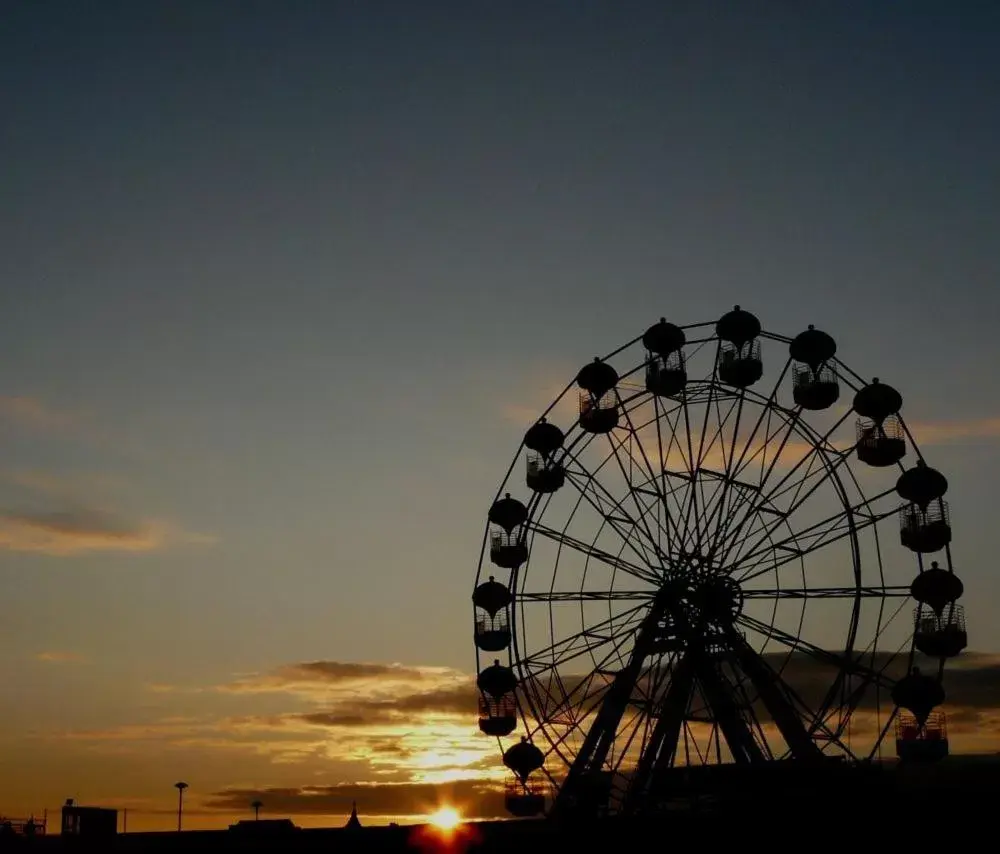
x=934, y=729
x=502, y=540
x=504, y=706
x=497, y=623
x=730, y=353
x=912, y=518
x=803, y=375
x=869, y=432
x=588, y=403
x=951, y=619
x=529, y=788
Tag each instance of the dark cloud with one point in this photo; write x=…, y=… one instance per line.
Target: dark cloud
x=459, y=699
x=972, y=680
x=342, y=671
x=474, y=798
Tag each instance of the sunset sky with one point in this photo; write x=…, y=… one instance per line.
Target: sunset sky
x=283, y=284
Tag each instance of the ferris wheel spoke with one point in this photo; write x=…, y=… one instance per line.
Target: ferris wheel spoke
x=614, y=515
x=592, y=551
x=654, y=541
x=659, y=492
x=581, y=643
x=781, y=516
x=695, y=460
x=704, y=504
x=766, y=410
x=752, y=486
x=835, y=660
x=550, y=596
x=820, y=449
x=828, y=593
x=760, y=558
x=683, y=478
x=566, y=708
x=722, y=490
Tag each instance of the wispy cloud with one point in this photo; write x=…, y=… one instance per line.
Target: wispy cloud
x=949, y=432
x=65, y=533
x=388, y=721
x=32, y=413
x=323, y=679
x=61, y=657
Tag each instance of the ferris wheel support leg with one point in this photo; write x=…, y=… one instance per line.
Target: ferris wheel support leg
x=768, y=686
x=659, y=752
x=726, y=710
x=579, y=792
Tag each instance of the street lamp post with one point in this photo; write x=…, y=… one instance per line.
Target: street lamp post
x=256, y=809
x=180, y=802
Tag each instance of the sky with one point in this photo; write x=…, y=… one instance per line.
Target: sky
x=283, y=284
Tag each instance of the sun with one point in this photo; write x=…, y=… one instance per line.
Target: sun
x=446, y=818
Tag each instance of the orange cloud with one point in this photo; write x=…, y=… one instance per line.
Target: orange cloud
x=947, y=432
x=65, y=533
x=61, y=657
x=32, y=413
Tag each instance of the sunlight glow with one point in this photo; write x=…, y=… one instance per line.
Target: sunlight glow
x=446, y=818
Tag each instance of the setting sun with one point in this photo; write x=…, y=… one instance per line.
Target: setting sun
x=446, y=818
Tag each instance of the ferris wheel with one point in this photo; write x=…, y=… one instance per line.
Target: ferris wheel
x=688, y=568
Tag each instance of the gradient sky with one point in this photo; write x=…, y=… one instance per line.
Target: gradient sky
x=284, y=283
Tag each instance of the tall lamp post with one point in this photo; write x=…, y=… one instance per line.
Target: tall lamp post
x=180, y=802
x=256, y=809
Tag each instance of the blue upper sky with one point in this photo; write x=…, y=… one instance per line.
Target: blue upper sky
x=281, y=283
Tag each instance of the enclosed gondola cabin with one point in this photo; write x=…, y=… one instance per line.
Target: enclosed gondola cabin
x=937, y=587
x=880, y=436
x=545, y=474
x=815, y=384
x=508, y=548
x=924, y=525
x=739, y=362
x=880, y=444
x=598, y=414
x=940, y=635
x=815, y=389
x=497, y=701
x=666, y=376
x=927, y=530
x=497, y=715
x=524, y=799
x=598, y=398
x=918, y=693
x=491, y=600
x=666, y=371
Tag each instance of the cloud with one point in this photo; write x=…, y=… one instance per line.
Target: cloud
x=71, y=532
x=401, y=739
x=326, y=678
x=947, y=432
x=473, y=798
x=61, y=657
x=32, y=413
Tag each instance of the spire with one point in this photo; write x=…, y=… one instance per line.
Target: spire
x=353, y=823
